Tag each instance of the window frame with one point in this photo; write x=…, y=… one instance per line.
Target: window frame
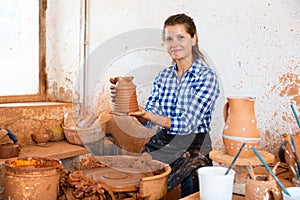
x=41, y=94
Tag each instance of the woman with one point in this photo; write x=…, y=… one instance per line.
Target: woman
x=181, y=103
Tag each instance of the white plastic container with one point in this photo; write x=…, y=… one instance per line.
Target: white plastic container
x=294, y=192
x=214, y=185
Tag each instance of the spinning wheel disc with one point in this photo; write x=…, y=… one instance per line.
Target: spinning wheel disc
x=117, y=179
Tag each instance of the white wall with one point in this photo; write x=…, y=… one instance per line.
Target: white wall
x=254, y=47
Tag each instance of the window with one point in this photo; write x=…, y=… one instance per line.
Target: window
x=22, y=50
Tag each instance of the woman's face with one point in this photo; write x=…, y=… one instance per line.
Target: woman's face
x=179, y=42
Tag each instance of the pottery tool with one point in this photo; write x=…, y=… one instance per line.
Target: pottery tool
x=296, y=116
x=293, y=146
x=234, y=159
x=251, y=171
x=271, y=172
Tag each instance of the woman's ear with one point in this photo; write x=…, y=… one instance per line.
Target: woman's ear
x=194, y=39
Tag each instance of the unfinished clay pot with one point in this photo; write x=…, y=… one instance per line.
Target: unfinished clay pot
x=240, y=126
x=125, y=99
x=261, y=188
x=9, y=150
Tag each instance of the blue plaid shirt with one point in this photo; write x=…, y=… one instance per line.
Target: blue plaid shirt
x=188, y=101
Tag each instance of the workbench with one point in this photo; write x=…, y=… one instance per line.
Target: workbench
x=61, y=150
x=282, y=172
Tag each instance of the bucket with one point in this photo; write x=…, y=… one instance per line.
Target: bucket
x=213, y=184
x=33, y=178
x=294, y=192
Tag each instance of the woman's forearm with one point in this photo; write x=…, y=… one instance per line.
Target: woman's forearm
x=144, y=116
x=159, y=120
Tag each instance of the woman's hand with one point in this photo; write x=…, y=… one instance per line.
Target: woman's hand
x=144, y=116
x=141, y=115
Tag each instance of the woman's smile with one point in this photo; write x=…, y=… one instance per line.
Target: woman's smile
x=179, y=42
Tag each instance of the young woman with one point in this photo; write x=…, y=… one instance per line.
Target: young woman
x=181, y=103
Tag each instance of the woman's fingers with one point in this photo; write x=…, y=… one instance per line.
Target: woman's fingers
x=140, y=112
x=112, y=89
x=113, y=80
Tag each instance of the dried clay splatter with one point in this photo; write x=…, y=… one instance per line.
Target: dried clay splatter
x=289, y=86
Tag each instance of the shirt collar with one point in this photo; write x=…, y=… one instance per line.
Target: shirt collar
x=194, y=69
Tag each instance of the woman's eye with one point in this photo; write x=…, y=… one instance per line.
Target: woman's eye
x=169, y=39
x=180, y=37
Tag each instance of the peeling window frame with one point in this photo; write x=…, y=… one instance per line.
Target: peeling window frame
x=41, y=94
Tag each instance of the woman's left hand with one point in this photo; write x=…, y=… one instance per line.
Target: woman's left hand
x=144, y=116
x=141, y=115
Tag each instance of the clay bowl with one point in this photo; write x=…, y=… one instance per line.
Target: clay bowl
x=9, y=151
x=41, y=138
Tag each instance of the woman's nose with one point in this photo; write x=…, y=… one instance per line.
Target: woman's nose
x=173, y=43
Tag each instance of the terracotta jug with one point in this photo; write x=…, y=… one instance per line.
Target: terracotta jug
x=125, y=99
x=240, y=126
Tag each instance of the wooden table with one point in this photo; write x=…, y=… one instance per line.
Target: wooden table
x=196, y=196
x=282, y=172
x=240, y=166
x=58, y=150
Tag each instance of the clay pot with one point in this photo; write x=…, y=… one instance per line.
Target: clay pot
x=240, y=126
x=125, y=99
x=32, y=178
x=261, y=189
x=41, y=138
x=9, y=150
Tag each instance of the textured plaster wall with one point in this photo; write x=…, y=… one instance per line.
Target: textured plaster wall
x=253, y=45
x=32, y=118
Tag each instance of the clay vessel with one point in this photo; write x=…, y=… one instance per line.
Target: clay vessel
x=41, y=138
x=125, y=99
x=240, y=126
x=9, y=150
x=31, y=178
x=261, y=188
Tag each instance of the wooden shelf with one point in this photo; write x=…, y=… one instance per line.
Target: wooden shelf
x=58, y=150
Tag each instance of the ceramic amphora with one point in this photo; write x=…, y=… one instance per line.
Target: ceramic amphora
x=240, y=126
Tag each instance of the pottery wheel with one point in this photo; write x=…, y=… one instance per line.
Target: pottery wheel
x=118, y=180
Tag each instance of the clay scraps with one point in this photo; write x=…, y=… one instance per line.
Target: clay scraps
x=74, y=185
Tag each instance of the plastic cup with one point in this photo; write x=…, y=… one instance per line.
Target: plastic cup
x=213, y=184
x=294, y=192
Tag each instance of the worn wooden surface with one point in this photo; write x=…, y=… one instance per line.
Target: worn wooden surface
x=58, y=150
x=220, y=156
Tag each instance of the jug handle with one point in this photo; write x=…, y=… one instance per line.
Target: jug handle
x=225, y=111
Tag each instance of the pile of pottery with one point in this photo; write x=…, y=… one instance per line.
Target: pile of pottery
x=240, y=126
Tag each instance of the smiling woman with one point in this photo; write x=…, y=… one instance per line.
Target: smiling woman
x=22, y=45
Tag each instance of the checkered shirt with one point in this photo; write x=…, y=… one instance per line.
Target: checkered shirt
x=188, y=101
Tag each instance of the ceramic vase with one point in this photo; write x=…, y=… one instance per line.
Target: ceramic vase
x=240, y=126
x=125, y=98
